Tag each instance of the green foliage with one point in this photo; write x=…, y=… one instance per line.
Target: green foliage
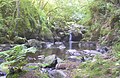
x=101, y=13
x=7, y=11
x=40, y=16
x=31, y=19
x=116, y=49
x=99, y=68
x=16, y=56
x=16, y=75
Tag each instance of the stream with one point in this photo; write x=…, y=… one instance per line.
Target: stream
x=60, y=56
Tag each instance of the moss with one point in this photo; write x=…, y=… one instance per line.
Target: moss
x=100, y=68
x=16, y=74
x=28, y=74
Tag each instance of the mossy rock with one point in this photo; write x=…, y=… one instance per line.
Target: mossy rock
x=29, y=74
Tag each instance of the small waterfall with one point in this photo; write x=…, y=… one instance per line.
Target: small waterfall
x=70, y=40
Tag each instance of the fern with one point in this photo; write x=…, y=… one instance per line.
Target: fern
x=16, y=54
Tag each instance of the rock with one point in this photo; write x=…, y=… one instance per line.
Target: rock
x=43, y=44
x=87, y=45
x=58, y=43
x=61, y=47
x=77, y=32
x=59, y=60
x=2, y=74
x=49, y=45
x=57, y=74
x=19, y=40
x=33, y=74
x=89, y=52
x=105, y=56
x=30, y=59
x=41, y=57
x=30, y=74
x=103, y=49
x=33, y=43
x=1, y=60
x=31, y=66
x=50, y=60
x=73, y=52
x=76, y=58
x=76, y=36
x=0, y=49
x=4, y=47
x=67, y=65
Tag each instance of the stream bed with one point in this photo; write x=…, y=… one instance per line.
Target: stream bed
x=60, y=57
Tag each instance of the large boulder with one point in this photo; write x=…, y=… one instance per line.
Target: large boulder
x=51, y=61
x=19, y=40
x=36, y=43
x=75, y=30
x=76, y=36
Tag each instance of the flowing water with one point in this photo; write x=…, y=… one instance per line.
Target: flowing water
x=60, y=48
x=70, y=40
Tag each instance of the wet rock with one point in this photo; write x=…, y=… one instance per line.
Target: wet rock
x=1, y=60
x=87, y=45
x=91, y=52
x=0, y=49
x=77, y=32
x=103, y=49
x=76, y=36
x=2, y=74
x=49, y=45
x=61, y=47
x=41, y=57
x=4, y=47
x=43, y=44
x=57, y=74
x=73, y=52
x=46, y=70
x=76, y=58
x=58, y=43
x=56, y=39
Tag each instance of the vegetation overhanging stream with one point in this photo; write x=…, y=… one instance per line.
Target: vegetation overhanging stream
x=60, y=38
